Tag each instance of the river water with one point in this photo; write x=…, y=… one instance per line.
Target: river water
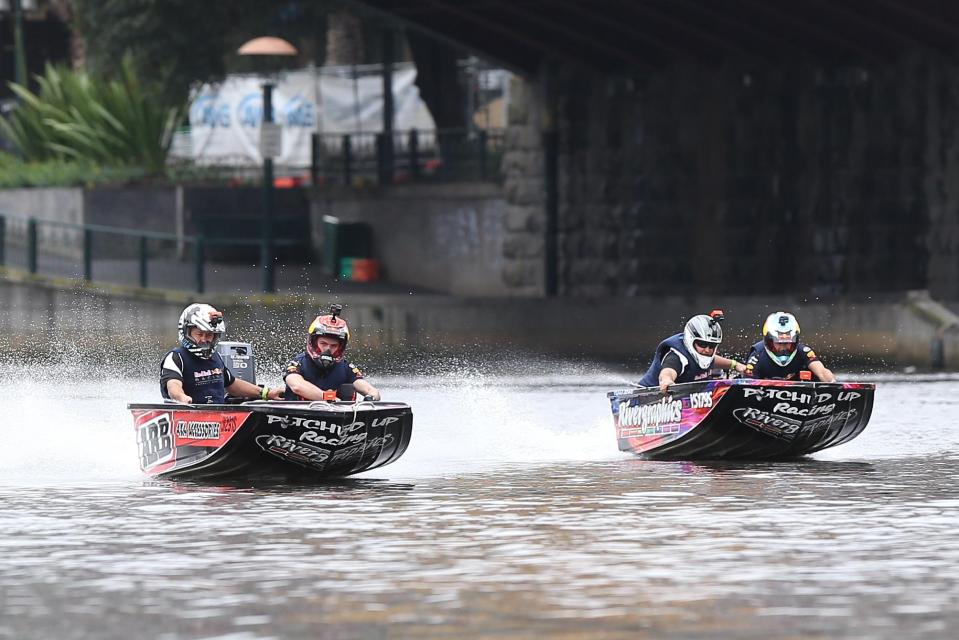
x=512, y=515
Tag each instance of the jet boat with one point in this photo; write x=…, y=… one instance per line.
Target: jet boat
x=739, y=418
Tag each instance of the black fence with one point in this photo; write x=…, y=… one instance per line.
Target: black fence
x=360, y=158
x=407, y=156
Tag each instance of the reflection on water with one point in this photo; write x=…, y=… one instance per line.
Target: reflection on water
x=512, y=515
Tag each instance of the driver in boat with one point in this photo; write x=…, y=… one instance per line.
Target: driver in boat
x=194, y=372
x=322, y=366
x=690, y=355
x=780, y=354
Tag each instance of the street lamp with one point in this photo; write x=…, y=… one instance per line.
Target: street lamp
x=270, y=143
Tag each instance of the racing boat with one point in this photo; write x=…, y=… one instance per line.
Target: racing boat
x=301, y=440
x=739, y=418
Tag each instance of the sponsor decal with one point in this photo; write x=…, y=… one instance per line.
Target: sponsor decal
x=825, y=422
x=314, y=424
x=792, y=410
x=383, y=422
x=638, y=432
x=380, y=442
x=313, y=436
x=848, y=396
x=701, y=400
x=347, y=455
x=289, y=449
x=785, y=395
x=208, y=373
x=665, y=411
x=154, y=441
x=197, y=430
x=765, y=421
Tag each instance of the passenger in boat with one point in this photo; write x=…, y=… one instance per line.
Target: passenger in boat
x=194, y=372
x=690, y=355
x=780, y=354
x=322, y=367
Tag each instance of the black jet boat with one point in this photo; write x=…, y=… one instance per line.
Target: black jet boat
x=297, y=439
x=306, y=440
x=739, y=418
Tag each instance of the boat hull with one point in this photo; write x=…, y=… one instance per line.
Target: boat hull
x=303, y=440
x=740, y=418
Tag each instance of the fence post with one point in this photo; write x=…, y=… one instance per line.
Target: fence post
x=32, y=245
x=3, y=240
x=87, y=255
x=143, y=262
x=384, y=159
x=347, y=160
x=314, y=159
x=198, y=263
x=483, y=141
x=414, y=145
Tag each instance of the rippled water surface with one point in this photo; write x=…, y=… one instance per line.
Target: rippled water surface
x=512, y=515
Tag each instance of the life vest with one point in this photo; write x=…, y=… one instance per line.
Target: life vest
x=691, y=369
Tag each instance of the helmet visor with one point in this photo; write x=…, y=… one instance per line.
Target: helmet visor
x=702, y=345
x=782, y=344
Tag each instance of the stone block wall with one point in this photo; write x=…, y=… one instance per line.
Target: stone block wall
x=753, y=179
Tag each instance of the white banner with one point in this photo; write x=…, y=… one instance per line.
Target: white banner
x=225, y=118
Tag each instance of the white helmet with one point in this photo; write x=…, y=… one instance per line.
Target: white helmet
x=703, y=328
x=781, y=337
x=205, y=318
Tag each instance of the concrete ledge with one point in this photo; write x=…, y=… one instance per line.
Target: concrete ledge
x=870, y=334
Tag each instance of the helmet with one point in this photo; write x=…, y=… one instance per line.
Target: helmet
x=205, y=318
x=781, y=337
x=703, y=328
x=331, y=326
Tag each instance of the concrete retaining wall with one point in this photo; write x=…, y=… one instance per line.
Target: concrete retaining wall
x=443, y=237
x=872, y=335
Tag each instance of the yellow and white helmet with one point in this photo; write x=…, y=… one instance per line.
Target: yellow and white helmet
x=781, y=337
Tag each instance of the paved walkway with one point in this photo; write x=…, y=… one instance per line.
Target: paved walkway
x=219, y=277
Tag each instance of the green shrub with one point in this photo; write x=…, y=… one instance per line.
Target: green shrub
x=94, y=122
x=15, y=173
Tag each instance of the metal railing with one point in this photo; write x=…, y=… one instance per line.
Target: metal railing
x=360, y=158
x=434, y=155
x=81, y=243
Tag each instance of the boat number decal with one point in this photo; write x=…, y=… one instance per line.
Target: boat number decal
x=701, y=400
x=298, y=452
x=766, y=422
x=155, y=441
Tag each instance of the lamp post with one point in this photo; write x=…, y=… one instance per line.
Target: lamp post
x=19, y=55
x=270, y=141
